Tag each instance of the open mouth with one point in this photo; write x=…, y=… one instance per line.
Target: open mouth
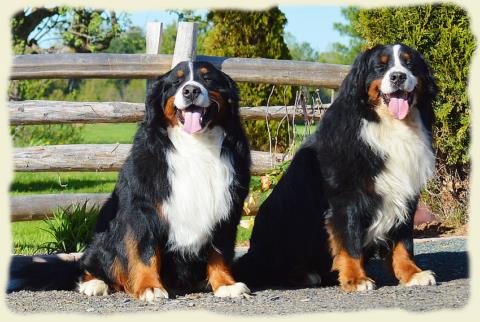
x=399, y=103
x=194, y=118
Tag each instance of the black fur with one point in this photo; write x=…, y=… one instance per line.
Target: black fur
x=327, y=177
x=142, y=183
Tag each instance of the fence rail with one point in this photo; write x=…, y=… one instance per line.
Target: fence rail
x=61, y=112
x=36, y=207
x=101, y=158
x=255, y=70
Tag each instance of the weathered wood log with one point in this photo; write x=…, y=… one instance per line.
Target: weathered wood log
x=36, y=207
x=100, y=157
x=39, y=207
x=255, y=70
x=60, y=112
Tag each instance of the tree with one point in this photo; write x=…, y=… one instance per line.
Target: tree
x=169, y=34
x=340, y=53
x=252, y=34
x=300, y=50
x=81, y=30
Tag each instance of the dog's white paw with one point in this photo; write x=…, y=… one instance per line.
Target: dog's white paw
x=234, y=290
x=422, y=278
x=152, y=294
x=365, y=285
x=93, y=287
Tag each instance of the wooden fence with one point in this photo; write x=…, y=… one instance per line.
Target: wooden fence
x=110, y=157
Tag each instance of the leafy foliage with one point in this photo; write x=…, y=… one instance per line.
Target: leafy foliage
x=71, y=229
x=169, y=34
x=441, y=32
x=252, y=34
x=300, y=50
x=81, y=30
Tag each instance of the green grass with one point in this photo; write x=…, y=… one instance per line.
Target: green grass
x=62, y=182
x=28, y=236
x=108, y=133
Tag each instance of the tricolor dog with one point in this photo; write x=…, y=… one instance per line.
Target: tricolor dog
x=170, y=224
x=353, y=187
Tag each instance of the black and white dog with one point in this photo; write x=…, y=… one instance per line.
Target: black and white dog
x=170, y=224
x=352, y=188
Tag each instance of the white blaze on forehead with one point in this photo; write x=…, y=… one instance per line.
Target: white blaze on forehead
x=387, y=87
x=201, y=100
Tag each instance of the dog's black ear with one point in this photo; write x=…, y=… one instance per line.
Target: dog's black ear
x=155, y=100
x=233, y=90
x=353, y=87
x=430, y=92
x=431, y=87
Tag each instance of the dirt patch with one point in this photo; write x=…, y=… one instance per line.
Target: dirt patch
x=438, y=229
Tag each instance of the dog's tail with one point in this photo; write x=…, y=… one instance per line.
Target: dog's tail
x=29, y=273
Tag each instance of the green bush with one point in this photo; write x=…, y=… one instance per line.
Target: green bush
x=442, y=33
x=252, y=34
x=71, y=229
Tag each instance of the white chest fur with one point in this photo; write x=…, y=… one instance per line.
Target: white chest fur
x=409, y=164
x=199, y=178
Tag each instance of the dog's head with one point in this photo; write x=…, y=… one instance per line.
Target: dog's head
x=395, y=76
x=194, y=96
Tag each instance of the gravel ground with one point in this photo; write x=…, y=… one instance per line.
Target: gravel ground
x=446, y=256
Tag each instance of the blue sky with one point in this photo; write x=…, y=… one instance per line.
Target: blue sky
x=313, y=24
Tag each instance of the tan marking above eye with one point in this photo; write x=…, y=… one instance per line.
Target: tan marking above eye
x=384, y=59
x=406, y=57
x=180, y=73
x=204, y=70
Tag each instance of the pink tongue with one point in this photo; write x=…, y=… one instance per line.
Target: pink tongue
x=192, y=122
x=398, y=107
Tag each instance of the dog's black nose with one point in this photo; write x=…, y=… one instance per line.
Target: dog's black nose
x=398, y=78
x=191, y=92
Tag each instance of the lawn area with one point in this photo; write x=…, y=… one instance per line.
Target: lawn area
x=28, y=236
x=109, y=133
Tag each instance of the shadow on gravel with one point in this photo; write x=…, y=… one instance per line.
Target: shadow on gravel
x=447, y=266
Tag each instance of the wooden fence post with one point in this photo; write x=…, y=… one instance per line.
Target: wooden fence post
x=186, y=43
x=153, y=44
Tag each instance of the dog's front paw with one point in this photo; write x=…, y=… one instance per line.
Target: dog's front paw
x=422, y=278
x=358, y=285
x=151, y=294
x=94, y=287
x=234, y=290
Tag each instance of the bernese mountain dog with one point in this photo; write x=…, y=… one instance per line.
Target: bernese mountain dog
x=170, y=224
x=352, y=189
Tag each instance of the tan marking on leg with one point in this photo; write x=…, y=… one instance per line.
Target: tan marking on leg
x=351, y=274
x=87, y=277
x=141, y=276
x=218, y=273
x=402, y=263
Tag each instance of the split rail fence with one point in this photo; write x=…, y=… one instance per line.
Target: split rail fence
x=110, y=157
